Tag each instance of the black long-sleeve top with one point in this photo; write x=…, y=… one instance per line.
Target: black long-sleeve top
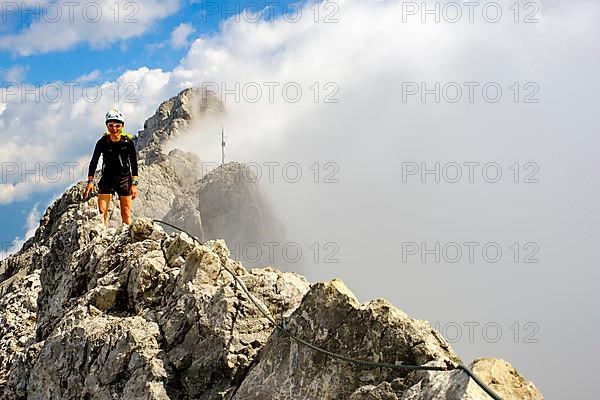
x=118, y=158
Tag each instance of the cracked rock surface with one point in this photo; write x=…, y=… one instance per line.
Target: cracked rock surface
x=140, y=314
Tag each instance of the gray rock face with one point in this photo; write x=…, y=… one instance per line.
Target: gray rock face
x=18, y=305
x=500, y=376
x=184, y=214
x=94, y=355
x=331, y=317
x=172, y=117
x=234, y=208
x=139, y=315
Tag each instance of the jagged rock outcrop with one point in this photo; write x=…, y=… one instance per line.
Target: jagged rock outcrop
x=331, y=317
x=499, y=375
x=18, y=309
x=139, y=314
x=173, y=117
x=91, y=354
x=230, y=193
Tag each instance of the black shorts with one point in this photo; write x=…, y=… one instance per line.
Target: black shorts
x=121, y=185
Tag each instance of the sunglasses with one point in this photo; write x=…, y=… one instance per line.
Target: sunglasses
x=113, y=125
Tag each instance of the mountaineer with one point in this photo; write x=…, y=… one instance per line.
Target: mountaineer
x=119, y=167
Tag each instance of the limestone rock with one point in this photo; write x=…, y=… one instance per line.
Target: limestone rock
x=212, y=330
x=234, y=208
x=172, y=117
x=143, y=314
x=383, y=391
x=331, y=317
x=184, y=214
x=504, y=379
x=99, y=356
x=18, y=306
x=497, y=374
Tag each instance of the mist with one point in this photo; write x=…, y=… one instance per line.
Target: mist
x=364, y=201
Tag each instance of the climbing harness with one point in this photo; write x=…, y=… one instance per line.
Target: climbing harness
x=342, y=357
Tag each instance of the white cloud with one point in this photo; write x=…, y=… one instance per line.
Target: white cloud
x=89, y=77
x=15, y=74
x=179, y=36
x=33, y=220
x=99, y=23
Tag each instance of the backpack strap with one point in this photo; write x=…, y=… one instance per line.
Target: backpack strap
x=123, y=134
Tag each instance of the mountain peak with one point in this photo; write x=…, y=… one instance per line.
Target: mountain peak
x=172, y=117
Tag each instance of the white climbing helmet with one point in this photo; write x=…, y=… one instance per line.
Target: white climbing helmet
x=114, y=115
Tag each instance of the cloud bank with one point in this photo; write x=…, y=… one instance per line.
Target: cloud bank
x=61, y=25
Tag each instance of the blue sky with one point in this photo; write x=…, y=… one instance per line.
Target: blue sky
x=150, y=49
x=130, y=53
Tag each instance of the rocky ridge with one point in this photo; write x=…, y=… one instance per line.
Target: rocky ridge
x=140, y=312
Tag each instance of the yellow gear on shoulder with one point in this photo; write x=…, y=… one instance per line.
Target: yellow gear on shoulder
x=127, y=135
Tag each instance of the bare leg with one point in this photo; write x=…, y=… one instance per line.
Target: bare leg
x=103, y=202
x=126, y=209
